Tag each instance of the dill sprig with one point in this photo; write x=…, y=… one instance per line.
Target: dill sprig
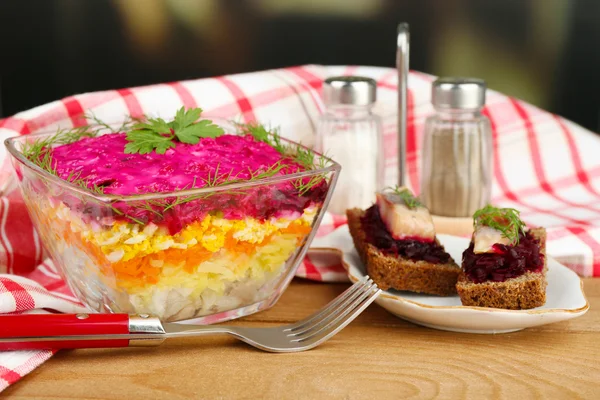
x=39, y=151
x=304, y=187
x=268, y=173
x=406, y=196
x=215, y=179
x=315, y=180
x=76, y=179
x=263, y=134
x=303, y=156
x=128, y=123
x=505, y=220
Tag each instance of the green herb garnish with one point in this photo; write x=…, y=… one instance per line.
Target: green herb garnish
x=145, y=135
x=505, y=220
x=302, y=156
x=156, y=134
x=125, y=125
x=39, y=152
x=271, y=136
x=406, y=196
x=305, y=157
x=263, y=134
x=160, y=206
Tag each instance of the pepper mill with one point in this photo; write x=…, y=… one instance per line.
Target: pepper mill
x=457, y=154
x=461, y=226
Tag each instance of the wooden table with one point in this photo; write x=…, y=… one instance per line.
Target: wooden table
x=378, y=356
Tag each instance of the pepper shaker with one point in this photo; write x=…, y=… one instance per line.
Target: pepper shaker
x=350, y=133
x=457, y=155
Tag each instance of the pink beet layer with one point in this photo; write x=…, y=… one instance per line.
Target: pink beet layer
x=101, y=161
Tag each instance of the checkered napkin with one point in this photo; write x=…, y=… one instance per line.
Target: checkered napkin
x=545, y=166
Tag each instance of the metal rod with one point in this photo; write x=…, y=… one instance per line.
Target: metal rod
x=402, y=54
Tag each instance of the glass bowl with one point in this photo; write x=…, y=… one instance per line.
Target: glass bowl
x=189, y=254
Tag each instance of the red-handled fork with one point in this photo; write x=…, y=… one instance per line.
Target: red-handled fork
x=72, y=331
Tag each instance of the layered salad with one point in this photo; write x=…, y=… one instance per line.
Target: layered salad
x=175, y=218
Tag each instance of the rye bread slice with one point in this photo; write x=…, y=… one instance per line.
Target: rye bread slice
x=390, y=271
x=520, y=293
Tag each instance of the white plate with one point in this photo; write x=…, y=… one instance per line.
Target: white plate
x=564, y=295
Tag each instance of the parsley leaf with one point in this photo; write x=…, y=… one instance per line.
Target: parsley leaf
x=202, y=129
x=157, y=125
x=183, y=118
x=158, y=134
x=143, y=141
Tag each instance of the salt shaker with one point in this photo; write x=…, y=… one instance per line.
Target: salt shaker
x=350, y=133
x=456, y=173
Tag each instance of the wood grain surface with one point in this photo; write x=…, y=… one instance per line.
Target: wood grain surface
x=378, y=356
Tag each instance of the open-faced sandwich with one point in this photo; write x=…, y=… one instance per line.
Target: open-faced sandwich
x=396, y=241
x=505, y=264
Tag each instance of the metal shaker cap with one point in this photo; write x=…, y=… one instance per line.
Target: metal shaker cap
x=350, y=90
x=462, y=93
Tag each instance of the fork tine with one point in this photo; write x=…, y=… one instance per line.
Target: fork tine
x=332, y=305
x=334, y=311
x=333, y=330
x=348, y=295
x=343, y=317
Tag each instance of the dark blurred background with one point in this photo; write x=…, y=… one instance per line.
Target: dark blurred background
x=543, y=51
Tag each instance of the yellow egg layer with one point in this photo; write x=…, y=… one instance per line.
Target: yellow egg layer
x=124, y=241
x=154, y=267
x=134, y=256
x=209, y=266
x=211, y=279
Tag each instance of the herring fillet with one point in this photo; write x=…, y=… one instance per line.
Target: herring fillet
x=485, y=237
x=402, y=221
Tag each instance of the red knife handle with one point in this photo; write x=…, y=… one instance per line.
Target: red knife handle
x=52, y=331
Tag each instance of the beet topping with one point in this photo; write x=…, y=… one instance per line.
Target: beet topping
x=101, y=161
x=414, y=249
x=507, y=262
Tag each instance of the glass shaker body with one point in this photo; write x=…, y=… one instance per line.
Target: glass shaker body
x=352, y=136
x=457, y=160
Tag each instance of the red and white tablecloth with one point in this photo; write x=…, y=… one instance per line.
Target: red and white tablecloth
x=545, y=166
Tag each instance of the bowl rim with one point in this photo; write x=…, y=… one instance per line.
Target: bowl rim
x=111, y=198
